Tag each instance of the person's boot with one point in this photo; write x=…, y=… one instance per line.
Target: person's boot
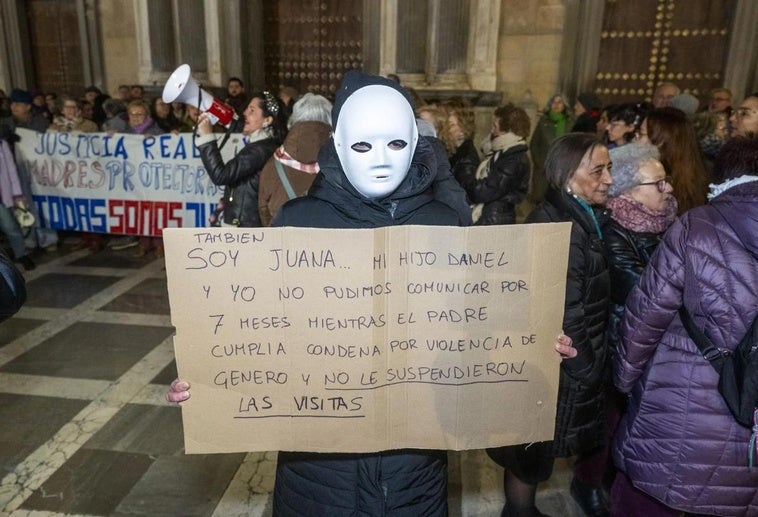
x=591, y=499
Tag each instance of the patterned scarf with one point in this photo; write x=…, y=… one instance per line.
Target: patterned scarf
x=66, y=124
x=634, y=216
x=284, y=157
x=497, y=145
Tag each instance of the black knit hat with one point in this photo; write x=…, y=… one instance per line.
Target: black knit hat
x=353, y=81
x=21, y=96
x=589, y=100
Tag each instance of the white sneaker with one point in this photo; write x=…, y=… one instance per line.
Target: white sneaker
x=123, y=243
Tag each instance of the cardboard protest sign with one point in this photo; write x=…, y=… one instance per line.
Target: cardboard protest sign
x=365, y=340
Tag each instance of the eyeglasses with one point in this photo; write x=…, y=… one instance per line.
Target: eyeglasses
x=744, y=112
x=661, y=184
x=137, y=114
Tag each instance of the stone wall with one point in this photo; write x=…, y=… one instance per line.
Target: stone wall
x=119, y=40
x=529, y=49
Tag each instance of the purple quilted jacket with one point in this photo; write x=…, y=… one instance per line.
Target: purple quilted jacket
x=678, y=442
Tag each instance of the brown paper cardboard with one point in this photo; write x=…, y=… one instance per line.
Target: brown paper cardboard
x=365, y=340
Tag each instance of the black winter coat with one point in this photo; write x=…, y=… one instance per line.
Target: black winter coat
x=464, y=162
x=579, y=423
x=12, y=288
x=628, y=254
x=240, y=177
x=446, y=187
x=503, y=188
x=400, y=482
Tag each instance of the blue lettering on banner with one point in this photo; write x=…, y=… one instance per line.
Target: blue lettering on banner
x=86, y=146
x=201, y=216
x=167, y=147
x=120, y=174
x=179, y=177
x=50, y=172
x=76, y=214
x=130, y=217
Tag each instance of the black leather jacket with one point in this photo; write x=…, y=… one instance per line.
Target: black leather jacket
x=240, y=177
x=628, y=254
x=503, y=188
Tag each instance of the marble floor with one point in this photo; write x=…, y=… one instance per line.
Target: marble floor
x=85, y=428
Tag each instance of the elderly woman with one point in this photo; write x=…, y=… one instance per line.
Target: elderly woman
x=578, y=171
x=139, y=121
x=71, y=118
x=556, y=120
x=292, y=169
x=642, y=209
x=678, y=447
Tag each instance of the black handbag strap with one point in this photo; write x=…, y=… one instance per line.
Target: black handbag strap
x=711, y=352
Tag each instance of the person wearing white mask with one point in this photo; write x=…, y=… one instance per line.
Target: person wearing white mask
x=375, y=171
x=372, y=175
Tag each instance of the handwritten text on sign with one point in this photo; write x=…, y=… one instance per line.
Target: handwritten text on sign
x=366, y=340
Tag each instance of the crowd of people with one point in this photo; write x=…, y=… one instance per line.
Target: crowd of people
x=663, y=201
x=638, y=406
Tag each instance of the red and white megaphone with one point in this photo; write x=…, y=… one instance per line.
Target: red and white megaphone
x=181, y=87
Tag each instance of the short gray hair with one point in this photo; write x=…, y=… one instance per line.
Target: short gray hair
x=311, y=107
x=627, y=160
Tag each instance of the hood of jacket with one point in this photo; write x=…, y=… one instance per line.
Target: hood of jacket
x=738, y=206
x=332, y=186
x=304, y=140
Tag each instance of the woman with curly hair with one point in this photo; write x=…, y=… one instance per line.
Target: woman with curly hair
x=458, y=127
x=674, y=135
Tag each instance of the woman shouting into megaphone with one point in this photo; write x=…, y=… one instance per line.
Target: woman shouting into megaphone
x=265, y=128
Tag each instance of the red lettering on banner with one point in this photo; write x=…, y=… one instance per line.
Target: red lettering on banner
x=144, y=217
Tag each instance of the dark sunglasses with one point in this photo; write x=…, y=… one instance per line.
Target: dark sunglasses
x=661, y=184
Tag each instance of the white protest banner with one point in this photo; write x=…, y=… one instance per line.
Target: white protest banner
x=126, y=184
x=365, y=340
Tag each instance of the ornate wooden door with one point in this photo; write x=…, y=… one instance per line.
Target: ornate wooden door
x=310, y=45
x=645, y=42
x=56, y=46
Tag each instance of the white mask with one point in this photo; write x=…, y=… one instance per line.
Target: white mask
x=375, y=138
